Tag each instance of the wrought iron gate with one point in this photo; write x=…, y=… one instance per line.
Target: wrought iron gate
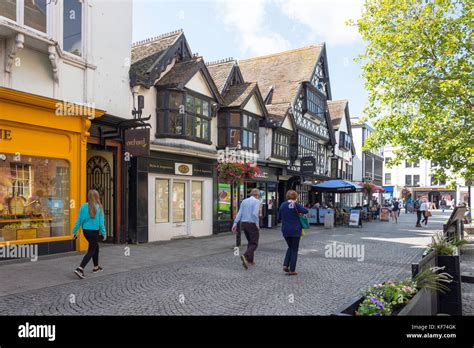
x=99, y=177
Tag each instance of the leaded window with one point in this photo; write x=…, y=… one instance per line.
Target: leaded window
x=281, y=145
x=238, y=129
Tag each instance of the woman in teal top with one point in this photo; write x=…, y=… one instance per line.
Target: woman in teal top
x=91, y=220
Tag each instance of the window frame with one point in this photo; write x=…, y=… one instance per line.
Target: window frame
x=308, y=89
x=83, y=27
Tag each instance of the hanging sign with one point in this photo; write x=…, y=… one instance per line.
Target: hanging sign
x=137, y=142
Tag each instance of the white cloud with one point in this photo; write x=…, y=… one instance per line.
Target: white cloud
x=325, y=18
x=248, y=18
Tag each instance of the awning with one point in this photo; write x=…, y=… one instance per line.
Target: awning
x=377, y=188
x=337, y=186
x=388, y=189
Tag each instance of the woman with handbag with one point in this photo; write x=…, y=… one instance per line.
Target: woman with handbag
x=292, y=229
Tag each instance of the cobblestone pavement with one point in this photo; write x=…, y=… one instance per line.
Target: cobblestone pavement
x=213, y=282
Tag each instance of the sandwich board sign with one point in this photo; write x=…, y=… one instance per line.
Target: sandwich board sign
x=354, y=217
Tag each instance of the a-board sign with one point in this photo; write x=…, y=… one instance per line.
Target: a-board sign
x=384, y=214
x=354, y=217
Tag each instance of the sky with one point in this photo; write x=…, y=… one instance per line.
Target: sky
x=218, y=29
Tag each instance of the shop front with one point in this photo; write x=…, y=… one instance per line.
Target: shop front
x=42, y=171
x=230, y=197
x=171, y=197
x=435, y=194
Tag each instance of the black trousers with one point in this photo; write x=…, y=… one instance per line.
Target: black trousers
x=92, y=237
x=418, y=217
x=425, y=217
x=252, y=234
x=292, y=252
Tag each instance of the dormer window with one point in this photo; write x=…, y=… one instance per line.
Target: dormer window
x=183, y=115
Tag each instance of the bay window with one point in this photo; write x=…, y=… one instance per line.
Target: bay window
x=238, y=128
x=314, y=101
x=182, y=114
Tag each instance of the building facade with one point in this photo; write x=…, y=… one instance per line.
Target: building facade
x=58, y=74
x=173, y=190
x=367, y=165
x=416, y=179
x=297, y=81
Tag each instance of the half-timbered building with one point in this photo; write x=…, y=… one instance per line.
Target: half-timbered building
x=246, y=125
x=297, y=81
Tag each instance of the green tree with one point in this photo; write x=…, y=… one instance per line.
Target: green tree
x=418, y=70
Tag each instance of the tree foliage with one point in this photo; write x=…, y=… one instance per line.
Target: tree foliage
x=418, y=70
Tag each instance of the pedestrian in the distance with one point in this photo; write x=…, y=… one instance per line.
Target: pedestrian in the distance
x=248, y=215
x=416, y=207
x=291, y=228
x=425, y=209
x=395, y=211
x=91, y=220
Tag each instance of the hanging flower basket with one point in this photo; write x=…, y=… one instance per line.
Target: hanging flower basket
x=236, y=173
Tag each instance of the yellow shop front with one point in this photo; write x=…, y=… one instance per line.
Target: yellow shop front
x=43, y=157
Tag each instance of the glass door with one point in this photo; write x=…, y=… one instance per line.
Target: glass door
x=179, y=213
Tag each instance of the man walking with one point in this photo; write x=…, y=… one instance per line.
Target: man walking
x=248, y=215
x=424, y=208
x=417, y=206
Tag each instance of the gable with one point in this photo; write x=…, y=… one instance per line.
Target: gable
x=199, y=84
x=287, y=124
x=253, y=106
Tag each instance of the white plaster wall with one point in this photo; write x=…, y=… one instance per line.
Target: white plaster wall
x=357, y=160
x=31, y=72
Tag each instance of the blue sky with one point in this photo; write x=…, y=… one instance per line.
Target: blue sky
x=218, y=29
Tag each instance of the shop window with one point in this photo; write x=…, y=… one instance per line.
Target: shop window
x=162, y=200
x=8, y=9
x=224, y=205
x=179, y=194
x=196, y=203
x=35, y=14
x=72, y=27
x=34, y=198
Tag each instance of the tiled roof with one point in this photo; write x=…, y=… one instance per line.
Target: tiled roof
x=277, y=112
x=151, y=46
x=220, y=72
x=337, y=111
x=180, y=73
x=284, y=71
x=238, y=93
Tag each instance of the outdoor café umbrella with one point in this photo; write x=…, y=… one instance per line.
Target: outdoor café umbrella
x=337, y=186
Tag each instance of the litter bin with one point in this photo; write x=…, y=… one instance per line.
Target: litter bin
x=329, y=220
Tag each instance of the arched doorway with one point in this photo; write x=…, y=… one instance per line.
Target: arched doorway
x=99, y=177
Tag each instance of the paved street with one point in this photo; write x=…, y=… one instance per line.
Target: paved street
x=204, y=277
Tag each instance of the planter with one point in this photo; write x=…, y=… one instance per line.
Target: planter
x=451, y=301
x=420, y=304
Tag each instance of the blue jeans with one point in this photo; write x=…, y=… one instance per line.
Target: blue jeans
x=292, y=252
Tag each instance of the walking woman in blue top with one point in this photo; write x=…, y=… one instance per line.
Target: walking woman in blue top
x=91, y=220
x=291, y=229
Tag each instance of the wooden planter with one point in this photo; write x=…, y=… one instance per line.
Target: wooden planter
x=420, y=304
x=451, y=301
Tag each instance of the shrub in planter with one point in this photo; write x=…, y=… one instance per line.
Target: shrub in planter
x=449, y=302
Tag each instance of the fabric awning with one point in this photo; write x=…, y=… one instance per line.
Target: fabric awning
x=337, y=186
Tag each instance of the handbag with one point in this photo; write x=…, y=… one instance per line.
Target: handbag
x=303, y=220
x=428, y=213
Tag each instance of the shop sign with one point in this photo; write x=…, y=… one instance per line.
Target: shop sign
x=354, y=217
x=137, y=142
x=202, y=170
x=183, y=169
x=5, y=134
x=160, y=166
x=308, y=165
